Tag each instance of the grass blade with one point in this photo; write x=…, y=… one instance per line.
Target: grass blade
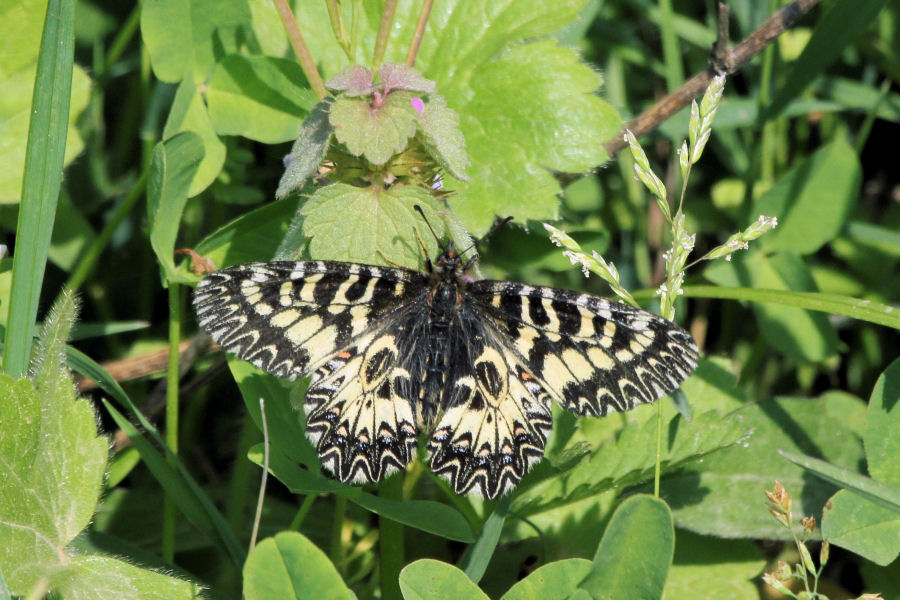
x=42, y=179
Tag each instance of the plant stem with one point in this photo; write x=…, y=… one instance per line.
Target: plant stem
x=337, y=25
x=265, y=473
x=337, y=528
x=168, y=535
x=305, y=507
x=419, y=33
x=384, y=32
x=657, y=469
x=391, y=542
x=300, y=50
x=357, y=16
x=89, y=258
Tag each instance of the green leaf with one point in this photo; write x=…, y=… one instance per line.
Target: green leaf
x=290, y=566
x=794, y=332
x=856, y=308
x=52, y=468
x=630, y=459
x=812, y=200
x=426, y=579
x=634, y=555
x=175, y=162
x=186, y=36
x=885, y=495
x=554, y=581
x=72, y=233
x=259, y=97
x=841, y=25
x=514, y=135
x=253, y=236
x=724, y=495
x=866, y=528
x=442, y=137
x=21, y=22
x=400, y=76
x=44, y=159
x=880, y=439
x=189, y=113
x=713, y=568
x=307, y=152
x=368, y=224
x=354, y=81
x=376, y=132
x=477, y=557
x=425, y=515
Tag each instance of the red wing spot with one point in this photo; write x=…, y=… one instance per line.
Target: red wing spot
x=525, y=376
x=344, y=354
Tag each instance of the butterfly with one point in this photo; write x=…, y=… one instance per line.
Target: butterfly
x=394, y=352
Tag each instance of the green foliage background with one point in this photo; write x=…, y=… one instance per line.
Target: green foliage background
x=181, y=112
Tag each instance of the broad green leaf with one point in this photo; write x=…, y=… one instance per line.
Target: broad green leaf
x=268, y=28
x=52, y=468
x=812, y=200
x=251, y=237
x=259, y=97
x=862, y=526
x=724, y=495
x=630, y=459
x=188, y=36
x=426, y=515
x=370, y=224
x=794, y=332
x=91, y=577
x=554, y=581
x=841, y=25
x=885, y=580
x=175, y=162
x=375, y=132
x=635, y=553
x=525, y=106
x=443, y=138
x=189, y=113
x=307, y=152
x=21, y=22
x=477, y=556
x=711, y=567
x=426, y=579
x=881, y=438
x=285, y=423
x=290, y=566
x=513, y=136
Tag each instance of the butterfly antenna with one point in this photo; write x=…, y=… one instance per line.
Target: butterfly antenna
x=493, y=230
x=424, y=218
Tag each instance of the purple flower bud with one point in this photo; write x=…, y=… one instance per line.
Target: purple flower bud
x=418, y=105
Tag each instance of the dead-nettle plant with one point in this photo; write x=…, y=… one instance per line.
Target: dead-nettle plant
x=689, y=153
x=805, y=572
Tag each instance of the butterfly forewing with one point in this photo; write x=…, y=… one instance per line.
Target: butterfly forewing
x=288, y=318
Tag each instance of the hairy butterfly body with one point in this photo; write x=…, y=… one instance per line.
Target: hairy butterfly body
x=394, y=352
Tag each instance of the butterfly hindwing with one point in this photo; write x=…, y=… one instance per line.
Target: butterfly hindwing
x=592, y=355
x=288, y=318
x=359, y=410
x=495, y=423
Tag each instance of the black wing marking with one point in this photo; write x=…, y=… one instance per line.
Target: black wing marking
x=289, y=318
x=360, y=411
x=593, y=355
x=496, y=418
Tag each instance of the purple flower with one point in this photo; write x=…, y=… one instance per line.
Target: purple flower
x=418, y=105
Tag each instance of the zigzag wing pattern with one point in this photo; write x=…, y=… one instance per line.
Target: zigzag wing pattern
x=495, y=425
x=359, y=410
x=289, y=318
x=594, y=356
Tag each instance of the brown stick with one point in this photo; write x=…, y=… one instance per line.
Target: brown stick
x=303, y=56
x=420, y=32
x=722, y=61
